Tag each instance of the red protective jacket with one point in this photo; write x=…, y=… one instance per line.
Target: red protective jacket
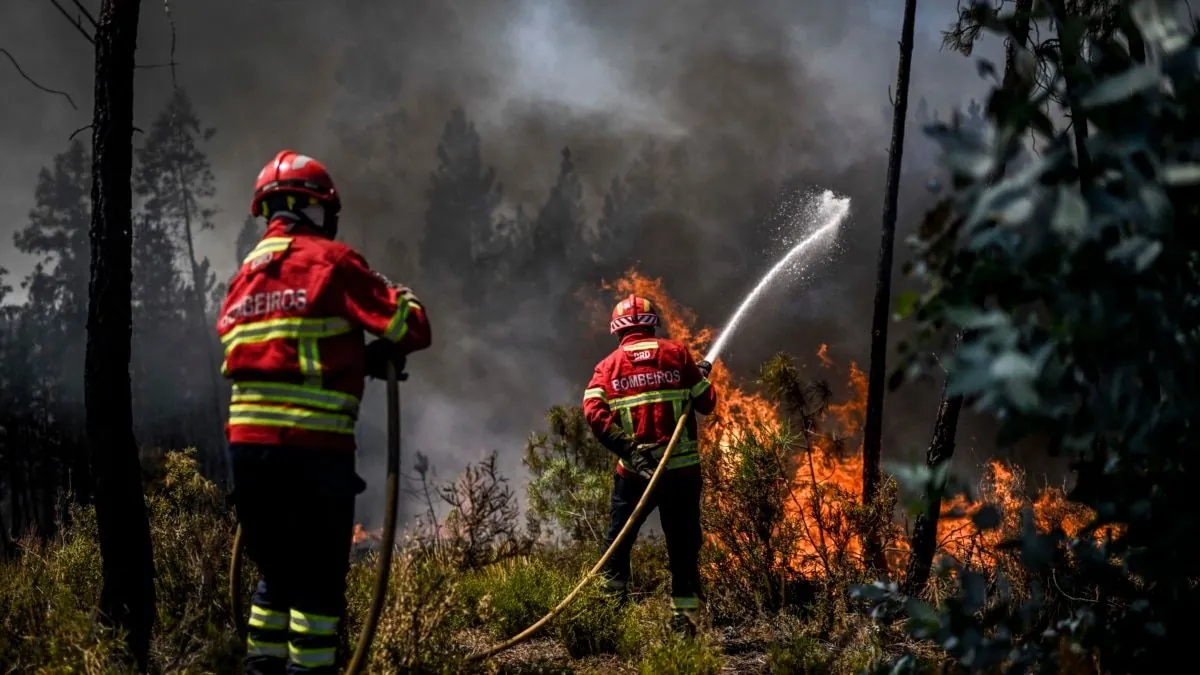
x=292, y=326
x=637, y=393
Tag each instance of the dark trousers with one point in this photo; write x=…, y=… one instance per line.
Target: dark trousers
x=677, y=498
x=296, y=509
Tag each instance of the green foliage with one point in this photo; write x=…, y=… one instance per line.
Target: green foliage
x=749, y=525
x=47, y=596
x=512, y=594
x=591, y=624
x=422, y=612
x=49, y=592
x=798, y=654
x=681, y=656
x=192, y=531
x=1073, y=279
x=571, y=475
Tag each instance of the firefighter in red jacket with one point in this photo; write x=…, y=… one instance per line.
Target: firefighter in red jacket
x=632, y=404
x=292, y=326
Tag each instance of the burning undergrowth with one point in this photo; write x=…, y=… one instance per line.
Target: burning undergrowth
x=783, y=470
x=795, y=444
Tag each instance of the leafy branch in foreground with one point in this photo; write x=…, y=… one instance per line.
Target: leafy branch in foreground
x=1074, y=280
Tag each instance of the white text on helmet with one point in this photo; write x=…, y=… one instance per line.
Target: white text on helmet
x=256, y=304
x=654, y=379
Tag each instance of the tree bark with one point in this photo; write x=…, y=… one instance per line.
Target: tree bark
x=924, y=536
x=873, y=427
x=1022, y=13
x=1069, y=60
x=945, y=426
x=127, y=597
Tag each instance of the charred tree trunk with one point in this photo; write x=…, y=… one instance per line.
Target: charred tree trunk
x=1070, y=42
x=1022, y=14
x=873, y=428
x=945, y=426
x=924, y=536
x=127, y=596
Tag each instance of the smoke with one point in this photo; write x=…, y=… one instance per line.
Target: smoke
x=742, y=102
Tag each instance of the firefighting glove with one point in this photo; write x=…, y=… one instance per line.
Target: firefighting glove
x=705, y=368
x=642, y=461
x=377, y=355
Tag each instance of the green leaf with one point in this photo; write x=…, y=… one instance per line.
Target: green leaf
x=1122, y=87
x=1181, y=174
x=906, y=304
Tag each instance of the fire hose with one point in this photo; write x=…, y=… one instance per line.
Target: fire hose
x=384, y=565
x=633, y=518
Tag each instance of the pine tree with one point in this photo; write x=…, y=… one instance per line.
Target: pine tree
x=557, y=237
x=628, y=200
x=175, y=177
x=160, y=326
x=127, y=600
x=57, y=235
x=247, y=237
x=463, y=195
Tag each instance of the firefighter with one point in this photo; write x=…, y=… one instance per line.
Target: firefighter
x=632, y=404
x=292, y=326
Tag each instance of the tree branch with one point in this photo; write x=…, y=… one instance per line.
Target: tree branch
x=85, y=128
x=74, y=21
x=30, y=80
x=91, y=19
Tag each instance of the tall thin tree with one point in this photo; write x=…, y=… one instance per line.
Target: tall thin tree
x=945, y=424
x=873, y=427
x=127, y=595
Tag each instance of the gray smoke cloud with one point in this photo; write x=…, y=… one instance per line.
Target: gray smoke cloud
x=739, y=99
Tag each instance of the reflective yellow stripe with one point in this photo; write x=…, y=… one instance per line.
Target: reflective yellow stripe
x=276, y=416
x=313, y=624
x=701, y=387
x=398, y=326
x=268, y=245
x=640, y=345
x=256, y=648
x=312, y=658
x=595, y=393
x=294, y=394
x=663, y=396
x=310, y=360
x=261, y=617
x=277, y=329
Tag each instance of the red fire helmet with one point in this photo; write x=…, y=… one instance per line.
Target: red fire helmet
x=293, y=173
x=632, y=312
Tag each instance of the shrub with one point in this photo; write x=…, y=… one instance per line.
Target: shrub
x=512, y=594
x=192, y=529
x=49, y=592
x=571, y=474
x=681, y=656
x=421, y=613
x=591, y=624
x=47, y=599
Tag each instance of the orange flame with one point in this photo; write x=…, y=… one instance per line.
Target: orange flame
x=827, y=485
x=363, y=536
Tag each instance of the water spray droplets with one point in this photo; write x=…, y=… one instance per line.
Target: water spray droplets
x=824, y=212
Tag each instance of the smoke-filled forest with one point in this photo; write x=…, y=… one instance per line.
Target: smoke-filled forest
x=956, y=440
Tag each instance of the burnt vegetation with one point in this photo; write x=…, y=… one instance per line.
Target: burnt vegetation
x=1053, y=288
